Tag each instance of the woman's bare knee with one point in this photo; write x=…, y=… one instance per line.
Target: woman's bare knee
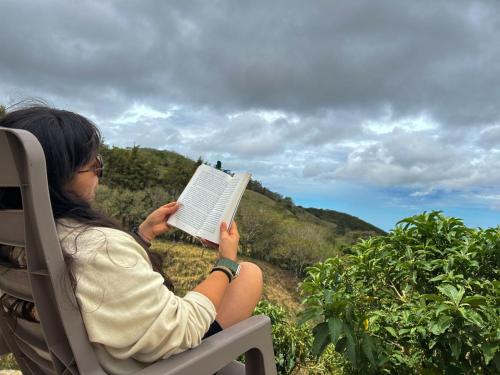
x=242, y=295
x=253, y=274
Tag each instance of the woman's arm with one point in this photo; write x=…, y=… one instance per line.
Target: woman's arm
x=214, y=286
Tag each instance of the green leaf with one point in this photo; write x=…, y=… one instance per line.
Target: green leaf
x=441, y=325
x=392, y=331
x=496, y=361
x=452, y=293
x=488, y=349
x=432, y=342
x=432, y=297
x=443, y=307
x=460, y=295
x=439, y=278
x=351, y=345
x=368, y=348
x=335, y=329
x=475, y=300
x=341, y=345
x=321, y=339
x=455, y=346
x=309, y=314
x=472, y=316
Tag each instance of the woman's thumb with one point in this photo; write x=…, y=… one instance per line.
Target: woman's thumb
x=171, y=207
x=223, y=228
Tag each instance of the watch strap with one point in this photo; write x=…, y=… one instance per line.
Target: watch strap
x=226, y=270
x=233, y=266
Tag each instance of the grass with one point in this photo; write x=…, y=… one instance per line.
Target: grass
x=187, y=267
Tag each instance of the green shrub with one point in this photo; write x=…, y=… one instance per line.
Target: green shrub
x=290, y=341
x=292, y=344
x=424, y=299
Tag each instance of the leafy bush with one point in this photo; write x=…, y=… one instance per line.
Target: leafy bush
x=424, y=299
x=292, y=344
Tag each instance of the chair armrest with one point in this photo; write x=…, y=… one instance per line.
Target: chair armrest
x=251, y=336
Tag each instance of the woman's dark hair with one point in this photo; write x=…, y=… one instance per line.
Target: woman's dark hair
x=69, y=141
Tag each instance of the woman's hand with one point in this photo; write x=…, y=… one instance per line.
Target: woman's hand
x=156, y=223
x=228, y=246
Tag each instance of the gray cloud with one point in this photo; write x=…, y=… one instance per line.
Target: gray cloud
x=421, y=159
x=289, y=55
x=490, y=138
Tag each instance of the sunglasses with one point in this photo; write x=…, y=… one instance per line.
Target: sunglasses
x=97, y=167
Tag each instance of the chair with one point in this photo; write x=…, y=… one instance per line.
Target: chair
x=59, y=343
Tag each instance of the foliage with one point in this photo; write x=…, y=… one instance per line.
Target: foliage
x=130, y=207
x=424, y=299
x=2, y=111
x=272, y=233
x=292, y=343
x=8, y=362
x=258, y=227
x=138, y=168
x=301, y=244
x=257, y=186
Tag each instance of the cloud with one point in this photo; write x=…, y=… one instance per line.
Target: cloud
x=420, y=159
x=351, y=57
x=490, y=138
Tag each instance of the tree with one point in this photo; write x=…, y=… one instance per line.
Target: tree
x=218, y=165
x=2, y=111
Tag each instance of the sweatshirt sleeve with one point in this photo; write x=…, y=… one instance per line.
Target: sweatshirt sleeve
x=126, y=307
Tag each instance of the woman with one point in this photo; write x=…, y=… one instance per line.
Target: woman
x=131, y=317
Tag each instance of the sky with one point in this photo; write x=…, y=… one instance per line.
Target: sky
x=380, y=109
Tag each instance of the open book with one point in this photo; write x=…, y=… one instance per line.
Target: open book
x=210, y=197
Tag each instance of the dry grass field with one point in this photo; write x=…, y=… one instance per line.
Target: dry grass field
x=187, y=265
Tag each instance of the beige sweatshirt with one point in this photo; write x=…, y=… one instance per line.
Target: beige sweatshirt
x=131, y=318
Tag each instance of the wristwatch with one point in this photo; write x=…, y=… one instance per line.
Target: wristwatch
x=229, y=267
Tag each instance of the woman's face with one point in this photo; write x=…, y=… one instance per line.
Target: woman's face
x=85, y=181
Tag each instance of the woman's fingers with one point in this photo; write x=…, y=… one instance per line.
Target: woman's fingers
x=170, y=204
x=170, y=208
x=234, y=229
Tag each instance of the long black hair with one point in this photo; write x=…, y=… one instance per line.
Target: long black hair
x=69, y=141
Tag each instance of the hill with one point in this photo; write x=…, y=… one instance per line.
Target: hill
x=138, y=180
x=344, y=222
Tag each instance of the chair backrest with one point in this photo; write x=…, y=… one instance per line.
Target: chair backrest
x=59, y=343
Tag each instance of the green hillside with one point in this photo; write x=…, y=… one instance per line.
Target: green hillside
x=345, y=222
x=138, y=180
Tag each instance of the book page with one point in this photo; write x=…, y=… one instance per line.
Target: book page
x=237, y=195
x=225, y=208
x=199, y=199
